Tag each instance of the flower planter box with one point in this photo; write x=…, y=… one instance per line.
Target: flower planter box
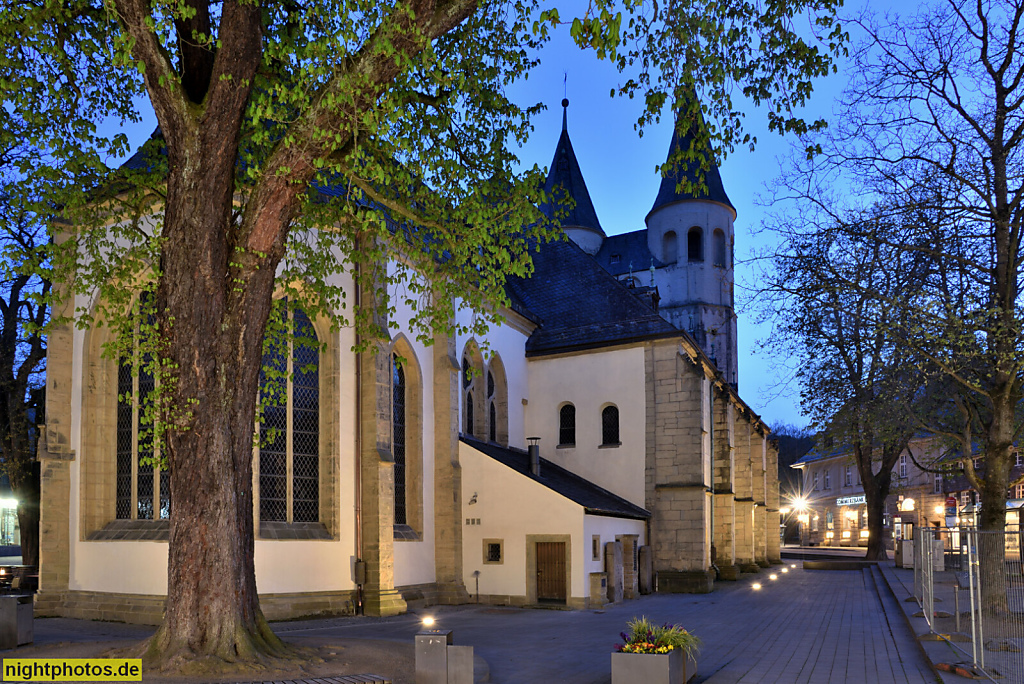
x=674, y=667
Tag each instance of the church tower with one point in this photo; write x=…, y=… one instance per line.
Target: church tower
x=692, y=236
x=565, y=186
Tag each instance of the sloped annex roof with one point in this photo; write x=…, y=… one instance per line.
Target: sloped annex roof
x=580, y=305
x=594, y=499
x=565, y=181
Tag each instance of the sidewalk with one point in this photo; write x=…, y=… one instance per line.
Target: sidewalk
x=805, y=627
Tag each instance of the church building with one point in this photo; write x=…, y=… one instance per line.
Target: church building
x=593, y=447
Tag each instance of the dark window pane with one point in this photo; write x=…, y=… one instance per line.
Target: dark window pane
x=493, y=415
x=490, y=384
x=123, y=507
x=494, y=553
x=694, y=246
x=610, y=425
x=398, y=441
x=469, y=413
x=165, y=494
x=567, y=425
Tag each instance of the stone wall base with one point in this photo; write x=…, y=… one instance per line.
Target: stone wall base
x=764, y=563
x=417, y=596
x=729, y=573
x=689, y=582
x=145, y=609
x=750, y=567
x=383, y=602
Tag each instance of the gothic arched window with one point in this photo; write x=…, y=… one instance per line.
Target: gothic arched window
x=695, y=244
x=567, y=425
x=289, y=429
x=398, y=438
x=610, y=426
x=474, y=397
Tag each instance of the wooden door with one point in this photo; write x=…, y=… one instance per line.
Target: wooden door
x=551, y=571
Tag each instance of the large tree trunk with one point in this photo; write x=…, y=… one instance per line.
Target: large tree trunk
x=875, y=498
x=212, y=316
x=992, y=522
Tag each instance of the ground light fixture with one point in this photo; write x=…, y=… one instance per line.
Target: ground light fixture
x=773, y=576
x=793, y=566
x=428, y=621
x=785, y=569
x=756, y=586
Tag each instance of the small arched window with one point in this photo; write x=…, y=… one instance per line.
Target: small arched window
x=670, y=247
x=469, y=413
x=610, y=425
x=567, y=425
x=720, y=248
x=695, y=244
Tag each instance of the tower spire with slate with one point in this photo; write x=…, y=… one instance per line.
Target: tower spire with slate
x=568, y=200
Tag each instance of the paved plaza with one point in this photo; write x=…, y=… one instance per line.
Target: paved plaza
x=810, y=626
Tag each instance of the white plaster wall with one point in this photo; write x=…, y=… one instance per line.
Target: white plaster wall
x=693, y=281
x=590, y=381
x=511, y=506
x=607, y=528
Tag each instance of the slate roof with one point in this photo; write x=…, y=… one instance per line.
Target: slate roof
x=565, y=180
x=595, y=500
x=580, y=305
x=667, y=193
x=630, y=248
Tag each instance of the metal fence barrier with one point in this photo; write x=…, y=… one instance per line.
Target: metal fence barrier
x=984, y=618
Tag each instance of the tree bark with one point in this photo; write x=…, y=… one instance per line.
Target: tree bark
x=875, y=499
x=212, y=316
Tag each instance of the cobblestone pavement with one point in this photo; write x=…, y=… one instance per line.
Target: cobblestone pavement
x=805, y=627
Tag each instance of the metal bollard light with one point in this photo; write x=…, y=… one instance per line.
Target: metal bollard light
x=438, y=661
x=432, y=656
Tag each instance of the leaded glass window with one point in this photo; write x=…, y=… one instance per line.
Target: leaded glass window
x=139, y=494
x=567, y=425
x=398, y=439
x=289, y=427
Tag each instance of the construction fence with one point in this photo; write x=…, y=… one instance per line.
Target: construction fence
x=978, y=607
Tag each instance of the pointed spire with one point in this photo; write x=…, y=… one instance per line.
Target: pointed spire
x=565, y=181
x=668, y=193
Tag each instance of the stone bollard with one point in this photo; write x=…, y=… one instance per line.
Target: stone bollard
x=613, y=568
